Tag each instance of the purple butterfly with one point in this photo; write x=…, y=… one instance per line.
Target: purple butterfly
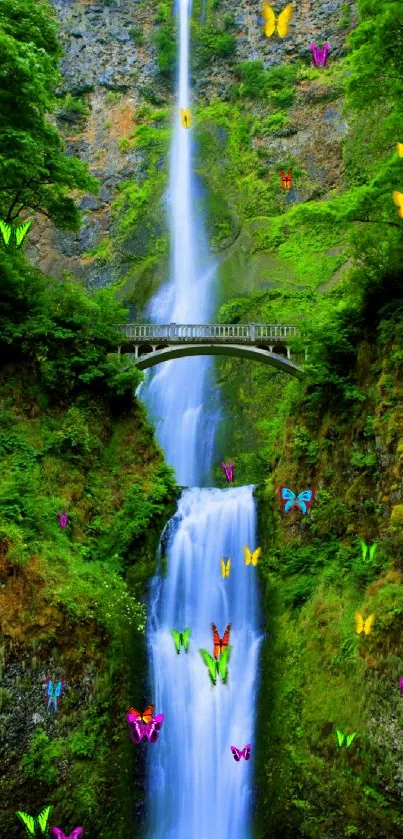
x=237, y=753
x=63, y=519
x=319, y=55
x=401, y=685
x=139, y=730
x=229, y=470
x=75, y=834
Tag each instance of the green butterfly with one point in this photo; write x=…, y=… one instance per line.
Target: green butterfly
x=181, y=639
x=347, y=737
x=30, y=822
x=217, y=668
x=368, y=552
x=20, y=232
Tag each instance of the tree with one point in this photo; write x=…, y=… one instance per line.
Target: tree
x=35, y=172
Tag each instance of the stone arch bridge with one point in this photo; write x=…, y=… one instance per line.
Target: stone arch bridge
x=155, y=343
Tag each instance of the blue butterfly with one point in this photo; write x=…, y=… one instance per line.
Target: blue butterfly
x=53, y=693
x=301, y=502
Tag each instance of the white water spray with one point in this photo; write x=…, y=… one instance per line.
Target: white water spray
x=196, y=790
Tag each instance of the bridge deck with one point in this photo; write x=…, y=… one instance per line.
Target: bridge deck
x=245, y=333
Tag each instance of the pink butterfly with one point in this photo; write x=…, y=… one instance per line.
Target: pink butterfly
x=237, y=754
x=75, y=834
x=319, y=55
x=401, y=685
x=63, y=519
x=229, y=470
x=139, y=730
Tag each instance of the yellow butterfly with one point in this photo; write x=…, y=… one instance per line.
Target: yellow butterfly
x=398, y=199
x=185, y=117
x=252, y=557
x=361, y=624
x=399, y=147
x=282, y=20
x=225, y=568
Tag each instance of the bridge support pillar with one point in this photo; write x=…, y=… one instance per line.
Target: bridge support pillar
x=288, y=353
x=119, y=349
x=271, y=349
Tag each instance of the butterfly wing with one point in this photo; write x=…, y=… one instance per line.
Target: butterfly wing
x=270, y=20
x=256, y=556
x=368, y=624
x=350, y=738
x=43, y=818
x=185, y=639
x=372, y=551
x=59, y=688
x=399, y=147
x=283, y=20
x=246, y=752
x=305, y=499
x=340, y=737
x=211, y=664
x=314, y=51
x=364, y=549
x=6, y=231
x=58, y=833
x=236, y=753
x=27, y=820
x=148, y=714
x=228, y=568
x=216, y=641
x=222, y=568
x=359, y=623
x=398, y=199
x=152, y=731
x=177, y=640
x=188, y=118
x=223, y=664
x=401, y=685
x=248, y=555
x=231, y=470
x=323, y=53
x=77, y=833
x=225, y=637
x=288, y=498
x=21, y=231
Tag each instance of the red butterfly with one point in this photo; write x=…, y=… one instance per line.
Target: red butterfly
x=220, y=643
x=146, y=716
x=286, y=180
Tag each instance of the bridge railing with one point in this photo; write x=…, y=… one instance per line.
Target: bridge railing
x=174, y=332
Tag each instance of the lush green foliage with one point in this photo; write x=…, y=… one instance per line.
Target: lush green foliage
x=35, y=173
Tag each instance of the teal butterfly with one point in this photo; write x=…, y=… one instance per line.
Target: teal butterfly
x=217, y=668
x=181, y=639
x=347, y=737
x=20, y=232
x=31, y=823
x=368, y=553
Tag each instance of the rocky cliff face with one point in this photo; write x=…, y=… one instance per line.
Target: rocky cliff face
x=111, y=68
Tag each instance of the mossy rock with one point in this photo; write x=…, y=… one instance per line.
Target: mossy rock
x=396, y=516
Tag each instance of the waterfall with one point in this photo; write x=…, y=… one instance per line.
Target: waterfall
x=196, y=790
x=175, y=393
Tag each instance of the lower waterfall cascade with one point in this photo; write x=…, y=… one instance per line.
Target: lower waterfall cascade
x=196, y=789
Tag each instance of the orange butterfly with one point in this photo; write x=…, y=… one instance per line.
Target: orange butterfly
x=146, y=716
x=286, y=180
x=220, y=643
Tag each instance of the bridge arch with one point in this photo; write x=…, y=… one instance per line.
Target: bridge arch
x=145, y=360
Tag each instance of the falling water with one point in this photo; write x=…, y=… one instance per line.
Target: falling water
x=176, y=392
x=196, y=790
